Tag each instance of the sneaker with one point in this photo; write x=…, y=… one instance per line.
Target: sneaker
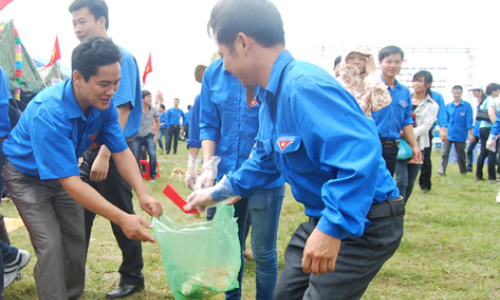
x=11, y=271
x=152, y=179
x=425, y=191
x=439, y=175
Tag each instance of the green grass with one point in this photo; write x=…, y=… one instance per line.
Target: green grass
x=450, y=249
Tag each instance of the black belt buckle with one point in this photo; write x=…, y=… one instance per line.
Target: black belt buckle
x=389, y=144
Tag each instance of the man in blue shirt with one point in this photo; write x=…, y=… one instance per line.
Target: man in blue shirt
x=396, y=117
x=314, y=134
x=90, y=18
x=228, y=128
x=426, y=170
x=163, y=126
x=41, y=171
x=174, y=116
x=458, y=122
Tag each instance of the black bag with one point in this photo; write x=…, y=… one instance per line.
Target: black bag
x=482, y=115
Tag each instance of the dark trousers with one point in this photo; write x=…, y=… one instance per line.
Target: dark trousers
x=173, y=133
x=484, y=133
x=118, y=192
x=470, y=152
x=358, y=261
x=390, y=155
x=426, y=170
x=445, y=156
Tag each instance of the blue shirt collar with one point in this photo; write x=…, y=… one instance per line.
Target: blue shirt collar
x=71, y=104
x=396, y=82
x=279, y=65
x=461, y=102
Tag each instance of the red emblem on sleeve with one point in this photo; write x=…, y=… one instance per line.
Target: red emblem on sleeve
x=253, y=103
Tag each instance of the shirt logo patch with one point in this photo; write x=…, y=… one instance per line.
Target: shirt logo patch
x=93, y=136
x=253, y=102
x=462, y=114
x=283, y=142
x=403, y=103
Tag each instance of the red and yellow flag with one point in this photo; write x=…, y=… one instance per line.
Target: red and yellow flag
x=56, y=54
x=3, y=3
x=149, y=69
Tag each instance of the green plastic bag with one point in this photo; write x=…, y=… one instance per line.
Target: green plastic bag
x=202, y=259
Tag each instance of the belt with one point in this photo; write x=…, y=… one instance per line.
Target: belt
x=94, y=146
x=389, y=208
x=389, y=144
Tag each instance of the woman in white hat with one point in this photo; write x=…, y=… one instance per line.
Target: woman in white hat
x=356, y=74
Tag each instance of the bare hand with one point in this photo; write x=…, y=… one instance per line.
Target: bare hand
x=417, y=155
x=132, y=227
x=443, y=135
x=155, y=138
x=320, y=253
x=100, y=167
x=151, y=206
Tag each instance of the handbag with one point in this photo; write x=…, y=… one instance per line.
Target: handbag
x=482, y=115
x=404, y=150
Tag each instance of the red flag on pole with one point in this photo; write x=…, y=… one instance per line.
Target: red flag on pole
x=56, y=54
x=149, y=69
x=4, y=3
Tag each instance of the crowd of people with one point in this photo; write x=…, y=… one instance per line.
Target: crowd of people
x=350, y=146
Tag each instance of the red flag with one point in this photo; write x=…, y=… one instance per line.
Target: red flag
x=56, y=54
x=4, y=3
x=149, y=69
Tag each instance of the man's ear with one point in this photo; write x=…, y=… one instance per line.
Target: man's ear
x=102, y=22
x=243, y=42
x=77, y=77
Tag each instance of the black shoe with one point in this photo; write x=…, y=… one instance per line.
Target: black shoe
x=125, y=290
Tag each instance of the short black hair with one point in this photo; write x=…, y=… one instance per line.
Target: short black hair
x=457, y=87
x=386, y=51
x=492, y=87
x=189, y=107
x=259, y=19
x=94, y=52
x=337, y=60
x=162, y=106
x=145, y=93
x=98, y=8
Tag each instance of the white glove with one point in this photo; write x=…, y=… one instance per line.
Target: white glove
x=491, y=144
x=222, y=192
x=192, y=171
x=208, y=173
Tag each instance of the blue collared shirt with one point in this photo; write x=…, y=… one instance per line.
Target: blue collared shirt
x=442, y=108
x=174, y=116
x=187, y=118
x=391, y=119
x=459, y=120
x=163, y=120
x=194, y=128
x=129, y=91
x=53, y=132
x=313, y=132
x=4, y=103
x=227, y=119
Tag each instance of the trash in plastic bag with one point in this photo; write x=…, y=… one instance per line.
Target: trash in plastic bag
x=201, y=259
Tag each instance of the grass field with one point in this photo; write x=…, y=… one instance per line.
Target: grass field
x=450, y=250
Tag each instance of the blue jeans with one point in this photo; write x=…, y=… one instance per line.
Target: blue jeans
x=265, y=208
x=406, y=174
x=163, y=134
x=150, y=148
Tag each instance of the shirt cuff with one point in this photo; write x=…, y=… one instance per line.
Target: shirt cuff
x=331, y=229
